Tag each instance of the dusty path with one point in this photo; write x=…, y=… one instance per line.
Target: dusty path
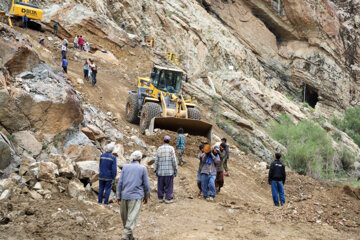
x=243, y=209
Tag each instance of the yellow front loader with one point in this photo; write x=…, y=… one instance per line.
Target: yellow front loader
x=158, y=103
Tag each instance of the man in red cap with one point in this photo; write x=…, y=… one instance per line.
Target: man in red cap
x=166, y=170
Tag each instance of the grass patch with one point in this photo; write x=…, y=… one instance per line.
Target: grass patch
x=355, y=183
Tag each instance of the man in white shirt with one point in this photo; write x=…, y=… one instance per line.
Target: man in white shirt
x=63, y=50
x=76, y=41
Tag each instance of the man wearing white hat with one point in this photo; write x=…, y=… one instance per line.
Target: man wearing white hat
x=132, y=190
x=107, y=172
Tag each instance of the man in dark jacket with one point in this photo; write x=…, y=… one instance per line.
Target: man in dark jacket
x=277, y=177
x=56, y=27
x=226, y=157
x=107, y=172
x=25, y=21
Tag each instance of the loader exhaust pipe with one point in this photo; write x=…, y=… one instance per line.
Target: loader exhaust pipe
x=190, y=126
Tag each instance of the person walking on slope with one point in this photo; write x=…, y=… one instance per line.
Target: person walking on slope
x=81, y=43
x=64, y=64
x=93, y=69
x=180, y=146
x=277, y=177
x=87, y=46
x=198, y=177
x=226, y=158
x=56, y=28
x=25, y=21
x=132, y=190
x=86, y=70
x=76, y=39
x=107, y=172
x=208, y=172
x=219, y=181
x=63, y=50
x=166, y=170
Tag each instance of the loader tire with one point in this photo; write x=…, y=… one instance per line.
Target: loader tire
x=194, y=113
x=132, y=108
x=149, y=111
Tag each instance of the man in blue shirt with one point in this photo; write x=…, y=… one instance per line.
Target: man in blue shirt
x=132, y=190
x=64, y=63
x=180, y=146
x=107, y=172
x=25, y=21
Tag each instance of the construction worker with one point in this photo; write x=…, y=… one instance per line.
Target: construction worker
x=219, y=181
x=25, y=21
x=64, y=64
x=180, y=146
x=226, y=158
x=208, y=172
x=86, y=70
x=277, y=177
x=107, y=173
x=63, y=50
x=56, y=27
x=166, y=170
x=76, y=39
x=87, y=47
x=81, y=43
x=93, y=69
x=198, y=177
x=132, y=190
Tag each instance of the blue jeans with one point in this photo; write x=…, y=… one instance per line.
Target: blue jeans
x=104, y=186
x=208, y=185
x=277, y=189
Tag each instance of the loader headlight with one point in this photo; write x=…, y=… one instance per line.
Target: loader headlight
x=149, y=91
x=194, y=98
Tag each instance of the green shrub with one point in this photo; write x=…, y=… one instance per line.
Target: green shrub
x=350, y=124
x=309, y=149
x=347, y=159
x=44, y=146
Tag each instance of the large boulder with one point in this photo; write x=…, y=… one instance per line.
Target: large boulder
x=47, y=171
x=25, y=165
x=80, y=153
x=10, y=115
x=66, y=168
x=6, y=152
x=27, y=141
x=16, y=52
x=87, y=169
x=138, y=141
x=76, y=189
x=93, y=132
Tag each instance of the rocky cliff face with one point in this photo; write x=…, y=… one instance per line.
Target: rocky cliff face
x=249, y=61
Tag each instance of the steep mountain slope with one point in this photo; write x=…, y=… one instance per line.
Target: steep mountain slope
x=277, y=54
x=256, y=38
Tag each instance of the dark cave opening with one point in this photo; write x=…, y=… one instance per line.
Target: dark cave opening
x=311, y=95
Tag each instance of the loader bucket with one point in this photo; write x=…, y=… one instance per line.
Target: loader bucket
x=190, y=126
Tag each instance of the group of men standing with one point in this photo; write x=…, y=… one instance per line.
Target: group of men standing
x=133, y=188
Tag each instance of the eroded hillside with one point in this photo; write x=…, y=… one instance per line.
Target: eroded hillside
x=54, y=126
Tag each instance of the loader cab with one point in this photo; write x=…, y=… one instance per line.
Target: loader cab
x=167, y=79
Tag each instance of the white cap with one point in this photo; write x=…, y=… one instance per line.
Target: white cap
x=110, y=147
x=137, y=155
